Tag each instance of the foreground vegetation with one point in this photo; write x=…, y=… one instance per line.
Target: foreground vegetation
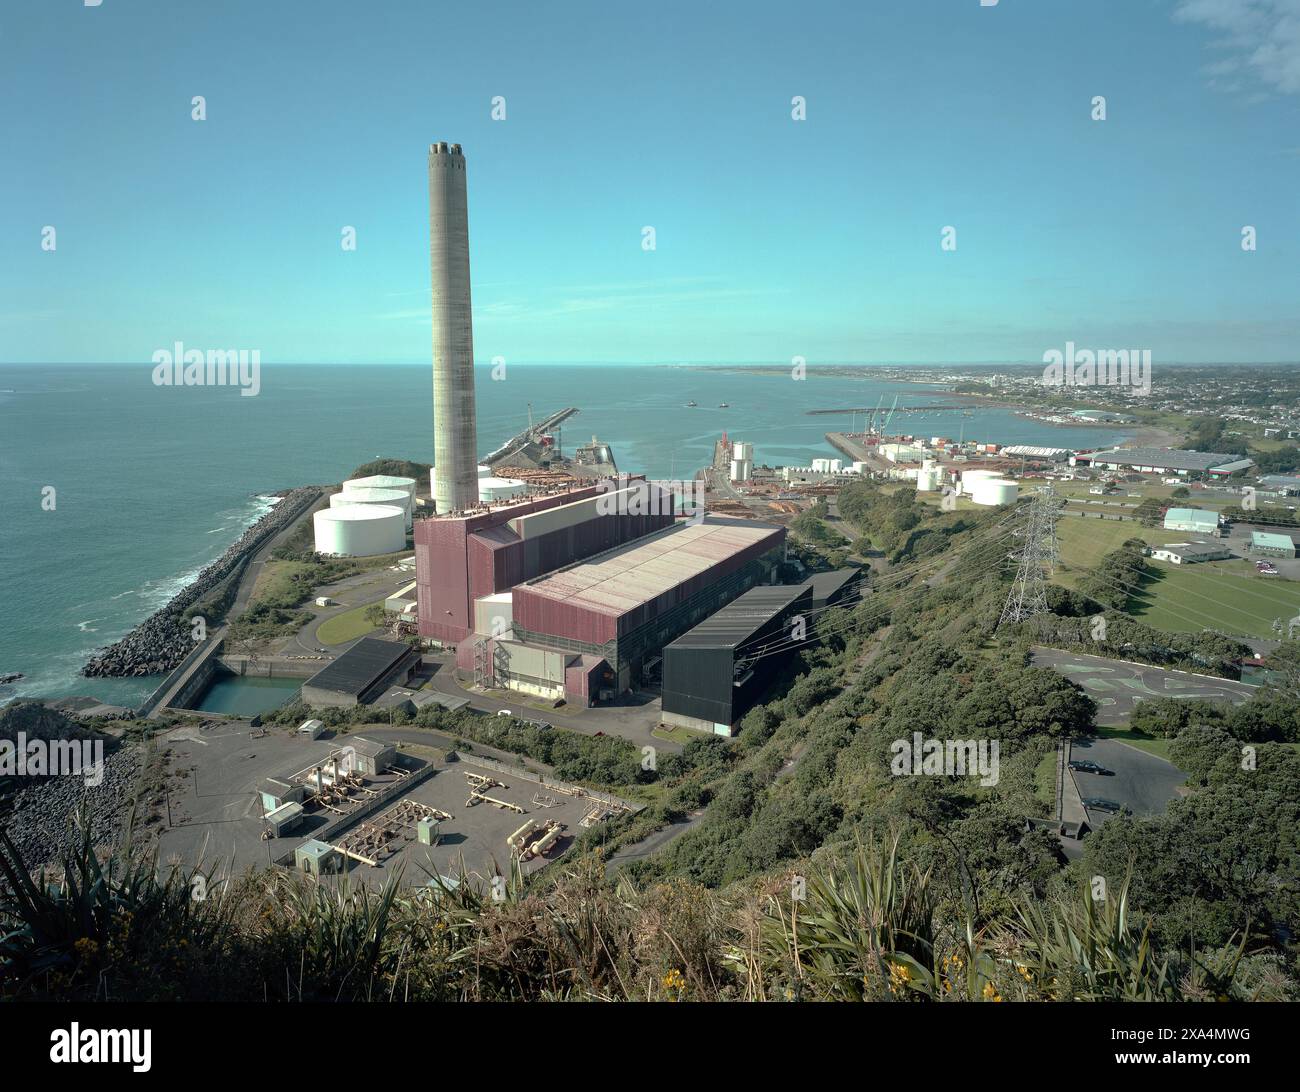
x=865, y=926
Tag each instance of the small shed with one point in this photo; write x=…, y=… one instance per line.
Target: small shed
x=312, y=729
x=318, y=858
x=372, y=757
x=280, y=790
x=426, y=831
x=283, y=819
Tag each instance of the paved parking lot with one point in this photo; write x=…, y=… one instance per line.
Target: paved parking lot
x=1141, y=780
x=1238, y=540
x=1117, y=686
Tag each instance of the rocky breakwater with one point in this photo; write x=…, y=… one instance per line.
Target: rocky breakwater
x=41, y=811
x=162, y=641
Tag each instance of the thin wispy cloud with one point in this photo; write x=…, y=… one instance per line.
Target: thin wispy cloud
x=1260, y=40
x=588, y=298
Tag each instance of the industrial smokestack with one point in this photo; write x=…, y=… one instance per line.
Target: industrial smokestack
x=455, y=445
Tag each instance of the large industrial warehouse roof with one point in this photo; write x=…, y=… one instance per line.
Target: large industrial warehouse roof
x=744, y=616
x=624, y=578
x=359, y=666
x=1161, y=457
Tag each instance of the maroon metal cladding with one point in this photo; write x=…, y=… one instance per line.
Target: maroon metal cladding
x=458, y=560
x=582, y=617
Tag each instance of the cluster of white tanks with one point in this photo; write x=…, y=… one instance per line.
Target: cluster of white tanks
x=370, y=516
x=988, y=487
x=929, y=477
x=396, y=498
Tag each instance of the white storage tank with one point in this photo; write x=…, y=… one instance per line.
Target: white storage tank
x=741, y=470
x=382, y=481
x=927, y=479
x=500, y=489
x=993, y=491
x=970, y=478
x=375, y=495
x=742, y=452
x=360, y=530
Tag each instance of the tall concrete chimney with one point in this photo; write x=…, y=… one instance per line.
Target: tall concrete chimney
x=455, y=444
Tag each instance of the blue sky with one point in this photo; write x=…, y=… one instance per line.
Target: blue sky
x=775, y=238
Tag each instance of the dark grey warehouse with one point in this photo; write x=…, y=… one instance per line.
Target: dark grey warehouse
x=714, y=673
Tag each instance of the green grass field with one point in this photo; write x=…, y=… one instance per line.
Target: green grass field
x=346, y=626
x=1140, y=740
x=677, y=735
x=1084, y=541
x=1224, y=595
x=1045, y=779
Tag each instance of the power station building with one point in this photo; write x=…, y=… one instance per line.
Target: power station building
x=714, y=674
x=569, y=593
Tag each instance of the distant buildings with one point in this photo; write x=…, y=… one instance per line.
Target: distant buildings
x=1103, y=416
x=1196, y=520
x=1189, y=553
x=1267, y=544
x=1153, y=460
x=1286, y=484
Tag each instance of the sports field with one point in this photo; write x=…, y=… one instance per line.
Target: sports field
x=1224, y=595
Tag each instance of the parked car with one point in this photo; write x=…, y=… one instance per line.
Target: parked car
x=1081, y=765
x=1100, y=803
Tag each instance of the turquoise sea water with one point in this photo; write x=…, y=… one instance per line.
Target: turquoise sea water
x=152, y=483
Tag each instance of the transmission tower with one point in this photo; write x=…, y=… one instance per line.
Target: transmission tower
x=1036, y=557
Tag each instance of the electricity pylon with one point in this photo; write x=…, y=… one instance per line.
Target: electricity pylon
x=1038, y=555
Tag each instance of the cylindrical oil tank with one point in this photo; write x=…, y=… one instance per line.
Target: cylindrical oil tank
x=741, y=470
x=926, y=480
x=499, y=489
x=360, y=530
x=399, y=497
x=969, y=478
x=382, y=481
x=742, y=452
x=992, y=491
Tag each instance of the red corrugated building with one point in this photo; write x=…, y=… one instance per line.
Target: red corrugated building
x=459, y=559
x=625, y=605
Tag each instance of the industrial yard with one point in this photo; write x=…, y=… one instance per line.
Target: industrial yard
x=362, y=806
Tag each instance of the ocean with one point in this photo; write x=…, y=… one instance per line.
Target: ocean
x=152, y=483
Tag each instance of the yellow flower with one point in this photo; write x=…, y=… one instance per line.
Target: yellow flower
x=899, y=977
